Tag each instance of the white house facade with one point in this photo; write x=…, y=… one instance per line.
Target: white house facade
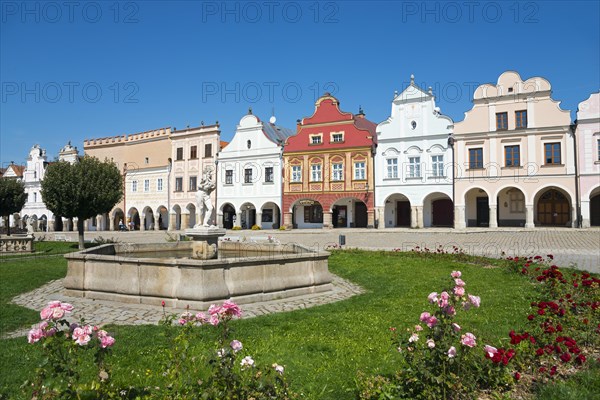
x=249, y=184
x=147, y=193
x=413, y=164
x=35, y=214
x=588, y=153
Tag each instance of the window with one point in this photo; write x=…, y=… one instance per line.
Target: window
x=437, y=162
x=159, y=184
x=512, y=156
x=517, y=202
x=475, y=158
x=134, y=186
x=337, y=172
x=359, y=170
x=179, y=184
x=552, y=153
x=392, y=168
x=315, y=173
x=521, y=119
x=598, y=141
x=229, y=177
x=501, y=121
x=414, y=167
x=146, y=185
x=208, y=150
x=146, y=160
x=296, y=173
x=179, y=154
x=193, y=183
x=35, y=197
x=268, y=174
x=194, y=152
x=337, y=137
x=313, y=214
x=315, y=139
x=249, y=143
x=248, y=175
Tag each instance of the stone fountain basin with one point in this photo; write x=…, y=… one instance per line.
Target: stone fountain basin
x=151, y=274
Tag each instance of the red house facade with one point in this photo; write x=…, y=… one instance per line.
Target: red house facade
x=328, y=169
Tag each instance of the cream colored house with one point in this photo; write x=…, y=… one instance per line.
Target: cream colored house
x=143, y=159
x=515, y=161
x=588, y=151
x=193, y=151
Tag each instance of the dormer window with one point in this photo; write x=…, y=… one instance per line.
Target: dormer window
x=316, y=139
x=249, y=143
x=413, y=124
x=337, y=137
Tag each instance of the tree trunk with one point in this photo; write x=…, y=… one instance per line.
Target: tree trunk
x=7, y=223
x=80, y=222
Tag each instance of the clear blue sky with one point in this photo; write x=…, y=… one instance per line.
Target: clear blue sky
x=71, y=71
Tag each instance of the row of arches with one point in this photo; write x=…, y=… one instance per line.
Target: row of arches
x=247, y=215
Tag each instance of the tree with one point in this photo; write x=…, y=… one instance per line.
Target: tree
x=12, y=198
x=82, y=190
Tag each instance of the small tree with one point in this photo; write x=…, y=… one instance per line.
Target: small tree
x=12, y=199
x=82, y=190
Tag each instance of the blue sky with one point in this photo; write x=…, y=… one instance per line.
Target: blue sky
x=71, y=71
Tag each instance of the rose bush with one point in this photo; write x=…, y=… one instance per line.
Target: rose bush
x=437, y=358
x=66, y=348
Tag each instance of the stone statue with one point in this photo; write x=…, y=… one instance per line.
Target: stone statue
x=203, y=201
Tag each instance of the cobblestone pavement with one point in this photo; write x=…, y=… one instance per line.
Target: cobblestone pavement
x=109, y=312
x=570, y=247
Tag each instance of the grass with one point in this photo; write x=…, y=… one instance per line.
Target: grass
x=322, y=348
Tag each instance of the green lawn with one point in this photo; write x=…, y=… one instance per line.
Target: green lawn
x=322, y=348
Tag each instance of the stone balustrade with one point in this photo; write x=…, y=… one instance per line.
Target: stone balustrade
x=16, y=244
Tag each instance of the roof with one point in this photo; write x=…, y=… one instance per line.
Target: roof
x=277, y=134
x=223, y=144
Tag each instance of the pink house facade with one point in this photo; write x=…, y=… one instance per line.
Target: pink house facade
x=515, y=160
x=588, y=152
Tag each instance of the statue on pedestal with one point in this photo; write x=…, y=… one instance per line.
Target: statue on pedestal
x=203, y=201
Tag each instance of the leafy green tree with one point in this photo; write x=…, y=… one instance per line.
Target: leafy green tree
x=82, y=190
x=12, y=198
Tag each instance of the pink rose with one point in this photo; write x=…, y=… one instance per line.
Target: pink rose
x=213, y=320
x=247, y=362
x=413, y=338
x=236, y=345
x=214, y=309
x=80, y=337
x=468, y=339
x=230, y=308
x=449, y=310
x=459, y=282
x=430, y=343
x=201, y=317
x=452, y=352
x=424, y=316
x=418, y=328
x=433, y=297
x=475, y=300
x=456, y=327
x=432, y=321
x=107, y=341
x=34, y=335
x=443, y=301
x=490, y=350
x=456, y=274
x=55, y=310
x=459, y=291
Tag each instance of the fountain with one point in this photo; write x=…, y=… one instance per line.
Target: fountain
x=196, y=273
